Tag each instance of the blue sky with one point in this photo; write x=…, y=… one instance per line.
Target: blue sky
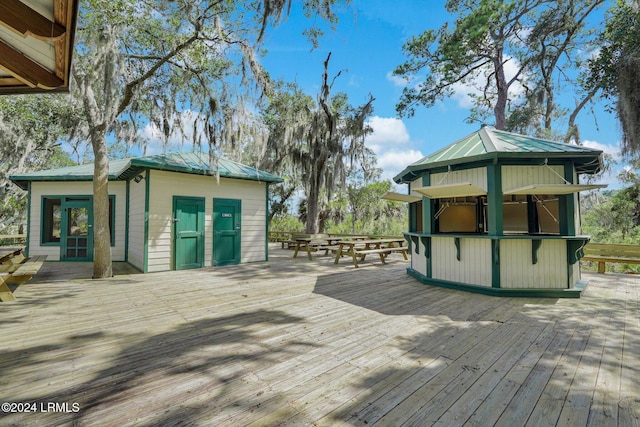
x=367, y=44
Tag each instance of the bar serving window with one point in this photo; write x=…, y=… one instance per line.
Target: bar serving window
x=461, y=215
x=530, y=214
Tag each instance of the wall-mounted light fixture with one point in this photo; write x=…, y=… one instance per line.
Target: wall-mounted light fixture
x=138, y=178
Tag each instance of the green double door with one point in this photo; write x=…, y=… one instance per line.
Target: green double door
x=189, y=232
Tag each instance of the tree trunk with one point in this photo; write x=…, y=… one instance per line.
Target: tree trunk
x=101, y=233
x=312, y=207
x=500, y=109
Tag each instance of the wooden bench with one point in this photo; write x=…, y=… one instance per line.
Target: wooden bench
x=361, y=248
x=24, y=271
x=603, y=253
x=382, y=252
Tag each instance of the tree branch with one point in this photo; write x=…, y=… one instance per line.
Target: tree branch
x=130, y=87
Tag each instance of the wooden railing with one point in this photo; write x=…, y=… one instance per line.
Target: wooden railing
x=12, y=239
x=604, y=252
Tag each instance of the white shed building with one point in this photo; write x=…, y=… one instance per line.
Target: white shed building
x=167, y=212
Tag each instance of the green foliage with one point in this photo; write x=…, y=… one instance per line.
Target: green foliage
x=185, y=68
x=540, y=40
x=30, y=129
x=316, y=145
x=286, y=222
x=617, y=71
x=613, y=217
x=384, y=226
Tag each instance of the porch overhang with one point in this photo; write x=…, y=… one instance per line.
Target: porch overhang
x=462, y=189
x=398, y=197
x=557, y=189
x=36, y=45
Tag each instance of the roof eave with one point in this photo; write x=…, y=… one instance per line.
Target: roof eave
x=591, y=165
x=23, y=181
x=137, y=162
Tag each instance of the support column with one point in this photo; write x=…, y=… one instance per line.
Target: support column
x=495, y=218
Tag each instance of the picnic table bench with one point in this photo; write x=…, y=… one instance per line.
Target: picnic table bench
x=280, y=236
x=604, y=252
x=24, y=271
x=315, y=242
x=292, y=241
x=361, y=248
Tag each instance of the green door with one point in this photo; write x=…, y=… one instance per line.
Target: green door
x=188, y=232
x=76, y=240
x=226, y=231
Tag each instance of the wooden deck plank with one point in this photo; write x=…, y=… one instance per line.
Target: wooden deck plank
x=527, y=379
x=604, y=407
x=550, y=403
x=629, y=404
x=516, y=366
x=298, y=342
x=580, y=396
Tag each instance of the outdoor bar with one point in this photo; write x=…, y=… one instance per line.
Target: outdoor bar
x=498, y=213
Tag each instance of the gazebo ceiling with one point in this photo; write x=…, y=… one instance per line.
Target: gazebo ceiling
x=36, y=44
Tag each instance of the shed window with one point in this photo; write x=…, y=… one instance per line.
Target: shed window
x=51, y=220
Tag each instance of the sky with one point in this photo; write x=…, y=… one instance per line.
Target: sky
x=367, y=46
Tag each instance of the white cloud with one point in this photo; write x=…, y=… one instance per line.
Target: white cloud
x=614, y=150
x=394, y=161
x=392, y=144
x=398, y=80
x=386, y=131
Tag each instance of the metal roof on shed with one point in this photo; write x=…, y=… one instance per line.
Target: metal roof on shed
x=185, y=162
x=489, y=143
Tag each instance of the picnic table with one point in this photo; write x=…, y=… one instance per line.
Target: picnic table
x=315, y=243
x=361, y=248
x=16, y=269
x=326, y=243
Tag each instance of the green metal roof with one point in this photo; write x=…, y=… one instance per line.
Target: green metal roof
x=487, y=143
x=124, y=169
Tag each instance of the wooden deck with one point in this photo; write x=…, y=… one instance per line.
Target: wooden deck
x=306, y=343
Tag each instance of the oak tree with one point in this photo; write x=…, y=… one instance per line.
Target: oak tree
x=187, y=67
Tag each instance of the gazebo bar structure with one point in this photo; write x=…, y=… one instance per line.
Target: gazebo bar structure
x=497, y=213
